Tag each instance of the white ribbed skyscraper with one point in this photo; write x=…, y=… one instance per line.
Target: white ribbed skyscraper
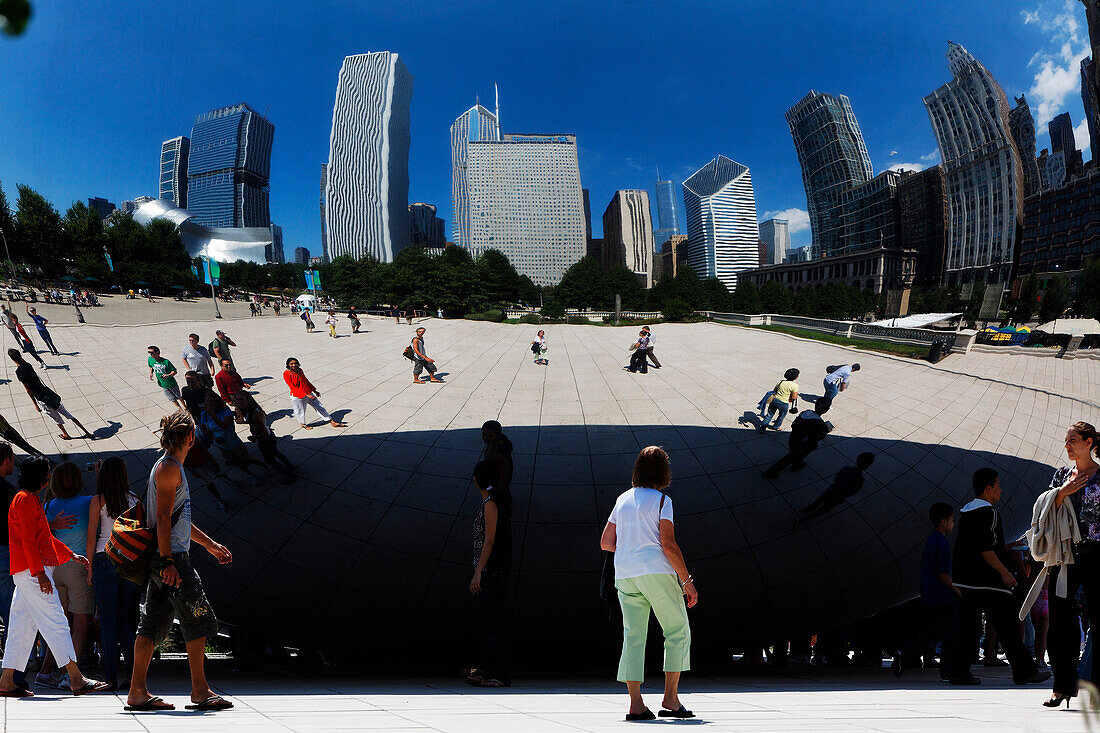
x=367, y=193
x=475, y=124
x=723, y=238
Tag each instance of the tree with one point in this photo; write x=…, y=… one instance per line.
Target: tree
x=38, y=236
x=1025, y=304
x=584, y=285
x=974, y=305
x=7, y=227
x=776, y=298
x=1086, y=303
x=14, y=16
x=84, y=229
x=498, y=279
x=1055, y=300
x=746, y=299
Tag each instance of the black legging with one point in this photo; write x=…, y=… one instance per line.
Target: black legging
x=1064, y=636
x=9, y=434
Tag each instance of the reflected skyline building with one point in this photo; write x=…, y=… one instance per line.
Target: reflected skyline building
x=367, y=181
x=229, y=168
x=775, y=234
x=628, y=234
x=668, y=219
x=723, y=236
x=474, y=125
x=1022, y=125
x=174, y=154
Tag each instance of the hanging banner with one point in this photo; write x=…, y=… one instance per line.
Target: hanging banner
x=110, y=265
x=309, y=279
x=206, y=271
x=317, y=279
x=195, y=271
x=215, y=272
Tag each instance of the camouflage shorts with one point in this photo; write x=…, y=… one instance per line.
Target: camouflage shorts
x=160, y=604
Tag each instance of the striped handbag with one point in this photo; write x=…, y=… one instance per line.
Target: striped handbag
x=132, y=544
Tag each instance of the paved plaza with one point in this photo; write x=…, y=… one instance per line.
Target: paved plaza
x=378, y=529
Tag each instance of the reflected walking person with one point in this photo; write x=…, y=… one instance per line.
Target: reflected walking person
x=650, y=574
x=420, y=358
x=43, y=333
x=43, y=397
x=492, y=571
x=303, y=394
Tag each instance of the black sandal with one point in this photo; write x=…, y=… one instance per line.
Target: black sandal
x=681, y=713
x=647, y=715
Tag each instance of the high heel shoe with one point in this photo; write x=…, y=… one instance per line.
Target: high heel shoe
x=1056, y=701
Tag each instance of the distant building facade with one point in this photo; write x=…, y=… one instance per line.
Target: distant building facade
x=274, y=251
x=367, y=187
x=129, y=207
x=1062, y=226
x=473, y=125
x=1022, y=125
x=587, y=216
x=103, y=207
x=869, y=215
x=1090, y=78
x=668, y=220
x=426, y=229
x=628, y=234
x=922, y=204
x=874, y=269
x=595, y=249
x=229, y=168
x=525, y=200
x=833, y=157
x=775, y=238
x=984, y=176
x=324, y=223
x=1062, y=141
x=301, y=256
x=723, y=238
x=673, y=256
x=174, y=155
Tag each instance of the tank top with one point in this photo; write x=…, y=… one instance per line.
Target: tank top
x=181, y=531
x=501, y=556
x=107, y=522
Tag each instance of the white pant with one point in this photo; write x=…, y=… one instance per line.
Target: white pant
x=32, y=613
x=299, y=405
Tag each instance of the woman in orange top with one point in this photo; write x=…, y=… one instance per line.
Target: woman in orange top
x=35, y=608
x=303, y=393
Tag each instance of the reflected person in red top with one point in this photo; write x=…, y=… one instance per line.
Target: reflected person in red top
x=35, y=608
x=303, y=393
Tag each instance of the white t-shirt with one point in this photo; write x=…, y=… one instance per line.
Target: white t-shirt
x=652, y=340
x=637, y=537
x=195, y=357
x=840, y=375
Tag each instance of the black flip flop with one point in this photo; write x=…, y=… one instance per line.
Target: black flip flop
x=151, y=705
x=647, y=715
x=17, y=692
x=214, y=702
x=681, y=713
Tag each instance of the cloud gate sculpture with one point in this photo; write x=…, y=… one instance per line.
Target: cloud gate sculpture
x=223, y=244
x=371, y=552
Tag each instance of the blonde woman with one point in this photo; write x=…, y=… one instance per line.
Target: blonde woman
x=650, y=573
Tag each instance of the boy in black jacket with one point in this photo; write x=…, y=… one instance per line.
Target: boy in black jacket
x=981, y=572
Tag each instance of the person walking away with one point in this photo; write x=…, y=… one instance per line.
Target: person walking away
x=220, y=347
x=197, y=358
x=538, y=348
x=229, y=382
x=249, y=412
x=1079, y=484
x=307, y=320
x=638, y=356
x=981, y=572
x=43, y=397
x=492, y=571
x=649, y=348
x=409, y=317
x=217, y=421
x=35, y=608
x=784, y=393
x=113, y=595
x=10, y=434
x=164, y=372
x=650, y=573
x=354, y=318
x=846, y=484
x=420, y=358
x=174, y=590
x=43, y=332
x=25, y=342
x=837, y=380
x=7, y=584
x=303, y=394
x=199, y=461
x=64, y=500
x=807, y=431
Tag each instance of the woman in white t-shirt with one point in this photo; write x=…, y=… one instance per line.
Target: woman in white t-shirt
x=650, y=573
x=538, y=347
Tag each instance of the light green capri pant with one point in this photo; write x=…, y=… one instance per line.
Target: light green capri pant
x=662, y=593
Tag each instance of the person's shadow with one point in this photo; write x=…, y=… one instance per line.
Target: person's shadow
x=112, y=427
x=279, y=414
x=750, y=418
x=339, y=415
x=253, y=380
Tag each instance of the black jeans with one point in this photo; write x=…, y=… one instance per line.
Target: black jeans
x=1064, y=637
x=495, y=632
x=638, y=362
x=269, y=449
x=1000, y=610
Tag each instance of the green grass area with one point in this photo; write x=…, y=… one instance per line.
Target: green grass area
x=885, y=347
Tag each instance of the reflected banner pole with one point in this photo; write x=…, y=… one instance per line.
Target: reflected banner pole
x=206, y=264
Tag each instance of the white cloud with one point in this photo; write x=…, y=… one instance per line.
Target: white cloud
x=799, y=220
x=1058, y=65
x=1081, y=135
x=931, y=158
x=915, y=167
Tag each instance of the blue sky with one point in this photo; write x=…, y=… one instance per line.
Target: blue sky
x=92, y=89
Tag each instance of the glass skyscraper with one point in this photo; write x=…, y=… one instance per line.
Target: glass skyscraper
x=833, y=157
x=229, y=168
x=668, y=221
x=173, y=170
x=473, y=125
x=1022, y=126
x=723, y=238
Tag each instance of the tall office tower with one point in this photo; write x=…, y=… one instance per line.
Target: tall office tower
x=1090, y=98
x=473, y=125
x=173, y=170
x=628, y=234
x=668, y=221
x=984, y=175
x=426, y=229
x=587, y=215
x=1022, y=125
x=833, y=157
x=324, y=223
x=525, y=200
x=1062, y=141
x=922, y=200
x=775, y=234
x=723, y=238
x=301, y=256
x=869, y=214
x=229, y=168
x=367, y=191
x=101, y=206
x=274, y=251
